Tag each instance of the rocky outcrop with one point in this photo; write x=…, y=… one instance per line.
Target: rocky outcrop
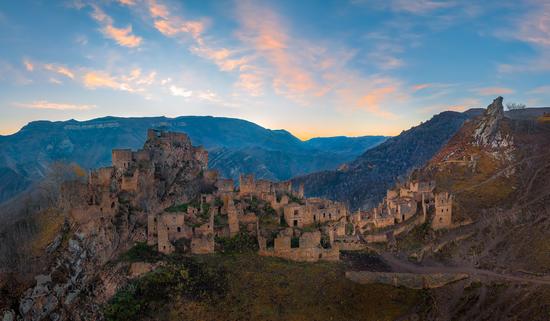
x=105, y=217
x=489, y=132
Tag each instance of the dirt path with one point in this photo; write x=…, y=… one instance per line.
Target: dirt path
x=404, y=266
x=399, y=265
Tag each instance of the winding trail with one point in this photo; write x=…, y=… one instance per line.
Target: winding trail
x=399, y=265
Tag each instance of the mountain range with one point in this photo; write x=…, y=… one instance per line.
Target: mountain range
x=235, y=146
x=363, y=182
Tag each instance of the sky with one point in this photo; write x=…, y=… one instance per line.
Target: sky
x=314, y=68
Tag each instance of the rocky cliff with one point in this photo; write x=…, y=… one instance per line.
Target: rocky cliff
x=497, y=168
x=103, y=218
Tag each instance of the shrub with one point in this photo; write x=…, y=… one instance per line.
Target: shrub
x=189, y=280
x=240, y=243
x=142, y=252
x=178, y=208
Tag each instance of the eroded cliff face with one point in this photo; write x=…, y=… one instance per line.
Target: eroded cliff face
x=490, y=132
x=106, y=216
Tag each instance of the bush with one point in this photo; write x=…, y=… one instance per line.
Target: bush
x=515, y=106
x=178, y=208
x=141, y=252
x=240, y=243
x=189, y=280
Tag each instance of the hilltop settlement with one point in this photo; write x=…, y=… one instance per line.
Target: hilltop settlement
x=190, y=217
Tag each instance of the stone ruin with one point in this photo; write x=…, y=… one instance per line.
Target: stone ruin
x=404, y=207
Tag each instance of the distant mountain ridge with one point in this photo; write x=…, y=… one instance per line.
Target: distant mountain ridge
x=363, y=182
x=235, y=146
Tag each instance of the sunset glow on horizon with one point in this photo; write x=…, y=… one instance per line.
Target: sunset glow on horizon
x=334, y=68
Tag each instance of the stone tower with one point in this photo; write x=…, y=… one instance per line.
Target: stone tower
x=443, y=211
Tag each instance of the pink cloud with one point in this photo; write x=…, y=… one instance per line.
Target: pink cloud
x=29, y=66
x=491, y=91
x=264, y=32
x=371, y=101
x=420, y=87
x=62, y=70
x=251, y=83
x=43, y=104
x=123, y=36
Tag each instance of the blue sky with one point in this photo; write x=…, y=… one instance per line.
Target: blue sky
x=315, y=68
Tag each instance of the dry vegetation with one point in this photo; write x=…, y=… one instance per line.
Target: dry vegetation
x=263, y=288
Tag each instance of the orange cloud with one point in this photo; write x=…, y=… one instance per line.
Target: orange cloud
x=135, y=81
x=265, y=33
x=60, y=70
x=490, y=91
x=127, y=2
x=420, y=87
x=123, y=36
x=43, y=104
x=28, y=65
x=251, y=83
x=158, y=10
x=95, y=80
x=371, y=101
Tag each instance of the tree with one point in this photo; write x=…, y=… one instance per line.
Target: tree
x=515, y=106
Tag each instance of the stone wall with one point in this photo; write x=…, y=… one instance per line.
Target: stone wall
x=121, y=158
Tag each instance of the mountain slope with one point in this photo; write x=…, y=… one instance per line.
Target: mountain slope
x=236, y=145
x=498, y=169
x=363, y=182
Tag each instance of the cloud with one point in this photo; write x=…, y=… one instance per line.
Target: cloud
x=420, y=87
x=533, y=28
x=371, y=102
x=221, y=57
x=418, y=7
x=177, y=91
x=28, y=65
x=493, y=91
x=43, y=104
x=95, y=80
x=62, y=70
x=127, y=2
x=172, y=25
x=263, y=31
x=55, y=81
x=250, y=83
x=540, y=90
x=135, y=81
x=123, y=36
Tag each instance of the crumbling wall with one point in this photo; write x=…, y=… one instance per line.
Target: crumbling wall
x=443, y=211
x=121, y=158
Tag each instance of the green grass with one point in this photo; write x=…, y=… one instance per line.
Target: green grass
x=262, y=288
x=251, y=287
x=141, y=252
x=178, y=208
x=182, y=280
x=240, y=243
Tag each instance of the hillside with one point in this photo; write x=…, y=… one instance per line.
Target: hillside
x=363, y=182
x=497, y=168
x=235, y=146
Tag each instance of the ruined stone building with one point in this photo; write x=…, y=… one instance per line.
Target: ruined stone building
x=443, y=211
x=405, y=204
x=185, y=206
